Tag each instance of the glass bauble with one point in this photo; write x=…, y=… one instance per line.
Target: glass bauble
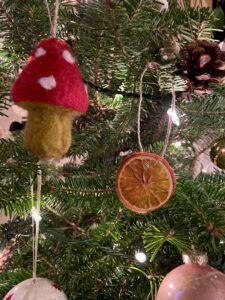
x=38, y=289
x=217, y=153
x=194, y=280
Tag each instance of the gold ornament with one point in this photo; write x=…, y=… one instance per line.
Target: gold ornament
x=217, y=153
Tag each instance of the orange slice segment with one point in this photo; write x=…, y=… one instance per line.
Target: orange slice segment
x=145, y=182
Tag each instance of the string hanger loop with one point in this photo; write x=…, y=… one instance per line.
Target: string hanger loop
x=36, y=219
x=53, y=22
x=151, y=66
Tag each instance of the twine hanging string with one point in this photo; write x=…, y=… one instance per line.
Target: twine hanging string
x=170, y=122
x=56, y=16
x=36, y=221
x=150, y=66
x=33, y=223
x=49, y=14
x=139, y=108
x=36, y=211
x=54, y=22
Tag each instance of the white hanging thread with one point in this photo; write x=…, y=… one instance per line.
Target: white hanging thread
x=36, y=221
x=54, y=23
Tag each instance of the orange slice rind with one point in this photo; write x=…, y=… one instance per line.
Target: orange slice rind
x=145, y=182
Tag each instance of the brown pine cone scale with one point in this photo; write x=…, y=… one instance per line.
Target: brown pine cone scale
x=202, y=62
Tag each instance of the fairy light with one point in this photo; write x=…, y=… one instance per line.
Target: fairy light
x=140, y=257
x=174, y=116
x=177, y=144
x=35, y=215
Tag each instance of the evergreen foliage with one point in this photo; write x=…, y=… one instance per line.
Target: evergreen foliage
x=88, y=239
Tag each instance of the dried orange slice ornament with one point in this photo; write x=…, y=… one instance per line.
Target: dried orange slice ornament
x=145, y=182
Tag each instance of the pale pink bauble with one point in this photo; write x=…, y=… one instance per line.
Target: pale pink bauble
x=193, y=282
x=41, y=289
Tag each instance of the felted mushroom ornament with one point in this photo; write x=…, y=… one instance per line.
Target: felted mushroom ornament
x=50, y=88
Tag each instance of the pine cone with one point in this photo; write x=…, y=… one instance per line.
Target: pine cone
x=202, y=62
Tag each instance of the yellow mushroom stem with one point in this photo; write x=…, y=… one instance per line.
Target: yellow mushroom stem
x=48, y=130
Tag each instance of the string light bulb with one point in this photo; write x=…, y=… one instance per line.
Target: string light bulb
x=177, y=144
x=172, y=113
x=35, y=215
x=140, y=257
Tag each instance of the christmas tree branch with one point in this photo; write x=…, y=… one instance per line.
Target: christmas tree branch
x=110, y=92
x=137, y=10
x=63, y=218
x=95, y=192
x=205, y=112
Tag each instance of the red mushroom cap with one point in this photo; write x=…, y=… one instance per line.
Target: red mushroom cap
x=51, y=76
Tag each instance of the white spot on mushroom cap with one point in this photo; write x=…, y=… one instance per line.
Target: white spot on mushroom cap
x=68, y=57
x=48, y=83
x=40, y=52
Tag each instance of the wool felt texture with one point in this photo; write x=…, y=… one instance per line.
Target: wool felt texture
x=51, y=59
x=48, y=130
x=51, y=89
